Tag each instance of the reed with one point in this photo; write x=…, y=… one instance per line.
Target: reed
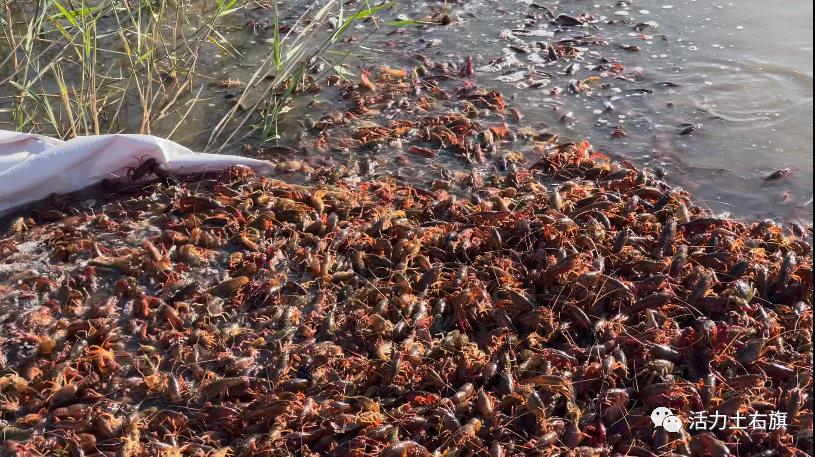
x=90, y=67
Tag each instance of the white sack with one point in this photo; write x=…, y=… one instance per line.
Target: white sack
x=32, y=166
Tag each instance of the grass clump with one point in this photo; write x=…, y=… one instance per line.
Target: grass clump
x=90, y=67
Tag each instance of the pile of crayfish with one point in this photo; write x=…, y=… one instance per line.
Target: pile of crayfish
x=548, y=312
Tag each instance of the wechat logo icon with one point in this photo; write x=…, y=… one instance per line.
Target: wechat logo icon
x=663, y=417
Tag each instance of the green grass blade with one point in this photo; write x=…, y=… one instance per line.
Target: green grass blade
x=67, y=15
x=371, y=49
x=271, y=116
x=342, y=72
x=227, y=9
x=88, y=50
x=277, y=43
x=34, y=28
x=292, y=52
x=48, y=110
x=223, y=38
x=62, y=30
x=215, y=42
x=82, y=12
x=147, y=54
x=356, y=17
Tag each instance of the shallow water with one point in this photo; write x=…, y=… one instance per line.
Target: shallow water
x=746, y=70
x=743, y=70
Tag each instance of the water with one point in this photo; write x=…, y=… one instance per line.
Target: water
x=746, y=70
x=742, y=70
